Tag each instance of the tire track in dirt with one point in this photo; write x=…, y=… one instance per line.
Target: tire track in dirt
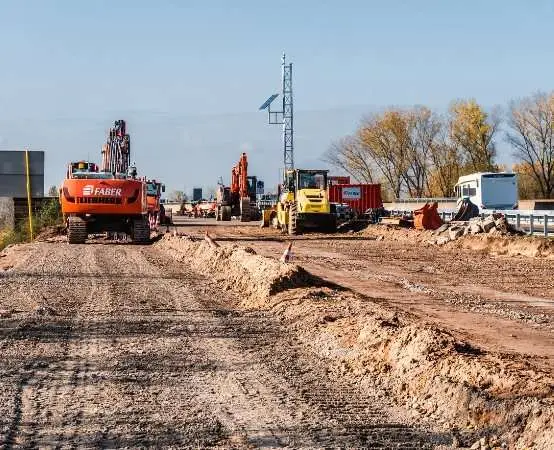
x=40, y=384
x=323, y=413
x=139, y=351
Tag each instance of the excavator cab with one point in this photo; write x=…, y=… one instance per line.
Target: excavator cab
x=82, y=168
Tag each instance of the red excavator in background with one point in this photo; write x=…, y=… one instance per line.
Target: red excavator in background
x=109, y=199
x=239, y=199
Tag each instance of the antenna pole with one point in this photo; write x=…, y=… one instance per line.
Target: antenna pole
x=284, y=117
x=288, y=133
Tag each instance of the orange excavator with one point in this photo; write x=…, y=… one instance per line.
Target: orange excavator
x=106, y=199
x=238, y=200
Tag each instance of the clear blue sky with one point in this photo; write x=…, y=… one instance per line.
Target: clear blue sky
x=188, y=76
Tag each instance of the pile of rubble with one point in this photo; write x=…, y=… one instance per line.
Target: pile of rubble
x=494, y=225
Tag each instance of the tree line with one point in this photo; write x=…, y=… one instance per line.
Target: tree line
x=420, y=153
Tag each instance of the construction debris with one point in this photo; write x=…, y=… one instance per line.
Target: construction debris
x=495, y=225
x=398, y=221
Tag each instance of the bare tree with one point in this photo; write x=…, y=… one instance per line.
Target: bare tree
x=422, y=127
x=176, y=196
x=53, y=191
x=348, y=155
x=531, y=121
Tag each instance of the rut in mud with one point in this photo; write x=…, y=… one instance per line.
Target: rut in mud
x=120, y=346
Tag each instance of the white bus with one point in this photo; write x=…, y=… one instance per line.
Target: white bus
x=489, y=190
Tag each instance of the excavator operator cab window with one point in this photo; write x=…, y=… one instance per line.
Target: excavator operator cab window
x=82, y=166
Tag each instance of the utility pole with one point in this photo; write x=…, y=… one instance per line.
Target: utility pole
x=285, y=116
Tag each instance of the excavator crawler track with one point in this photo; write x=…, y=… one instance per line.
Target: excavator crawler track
x=245, y=210
x=76, y=230
x=141, y=231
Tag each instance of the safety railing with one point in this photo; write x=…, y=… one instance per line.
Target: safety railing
x=533, y=222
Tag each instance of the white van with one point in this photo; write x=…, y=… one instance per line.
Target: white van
x=489, y=190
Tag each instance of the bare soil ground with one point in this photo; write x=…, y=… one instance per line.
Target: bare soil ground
x=372, y=339
x=497, y=309
x=111, y=346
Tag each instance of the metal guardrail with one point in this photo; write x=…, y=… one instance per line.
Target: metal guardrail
x=533, y=222
x=424, y=200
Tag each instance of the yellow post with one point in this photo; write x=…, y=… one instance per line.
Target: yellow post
x=29, y=199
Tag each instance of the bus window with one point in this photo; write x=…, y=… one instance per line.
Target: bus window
x=472, y=191
x=465, y=190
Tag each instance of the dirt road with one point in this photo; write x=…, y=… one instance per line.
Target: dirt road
x=121, y=346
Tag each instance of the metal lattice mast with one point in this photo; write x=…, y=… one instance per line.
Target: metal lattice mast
x=288, y=122
x=285, y=116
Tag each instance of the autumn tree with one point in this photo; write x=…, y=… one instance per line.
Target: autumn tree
x=385, y=139
x=527, y=184
x=472, y=131
x=417, y=152
x=531, y=123
x=394, y=146
x=446, y=166
x=348, y=155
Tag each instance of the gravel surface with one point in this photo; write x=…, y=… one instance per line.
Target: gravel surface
x=122, y=346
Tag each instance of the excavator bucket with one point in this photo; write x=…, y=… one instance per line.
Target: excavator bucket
x=467, y=210
x=427, y=218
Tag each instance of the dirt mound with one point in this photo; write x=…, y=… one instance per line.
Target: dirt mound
x=444, y=381
x=532, y=247
x=441, y=379
x=51, y=232
x=493, y=243
x=240, y=268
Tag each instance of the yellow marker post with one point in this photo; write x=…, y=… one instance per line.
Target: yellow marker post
x=29, y=193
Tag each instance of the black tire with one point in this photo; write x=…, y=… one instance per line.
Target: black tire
x=293, y=220
x=226, y=213
x=332, y=225
x=141, y=231
x=76, y=230
x=245, y=210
